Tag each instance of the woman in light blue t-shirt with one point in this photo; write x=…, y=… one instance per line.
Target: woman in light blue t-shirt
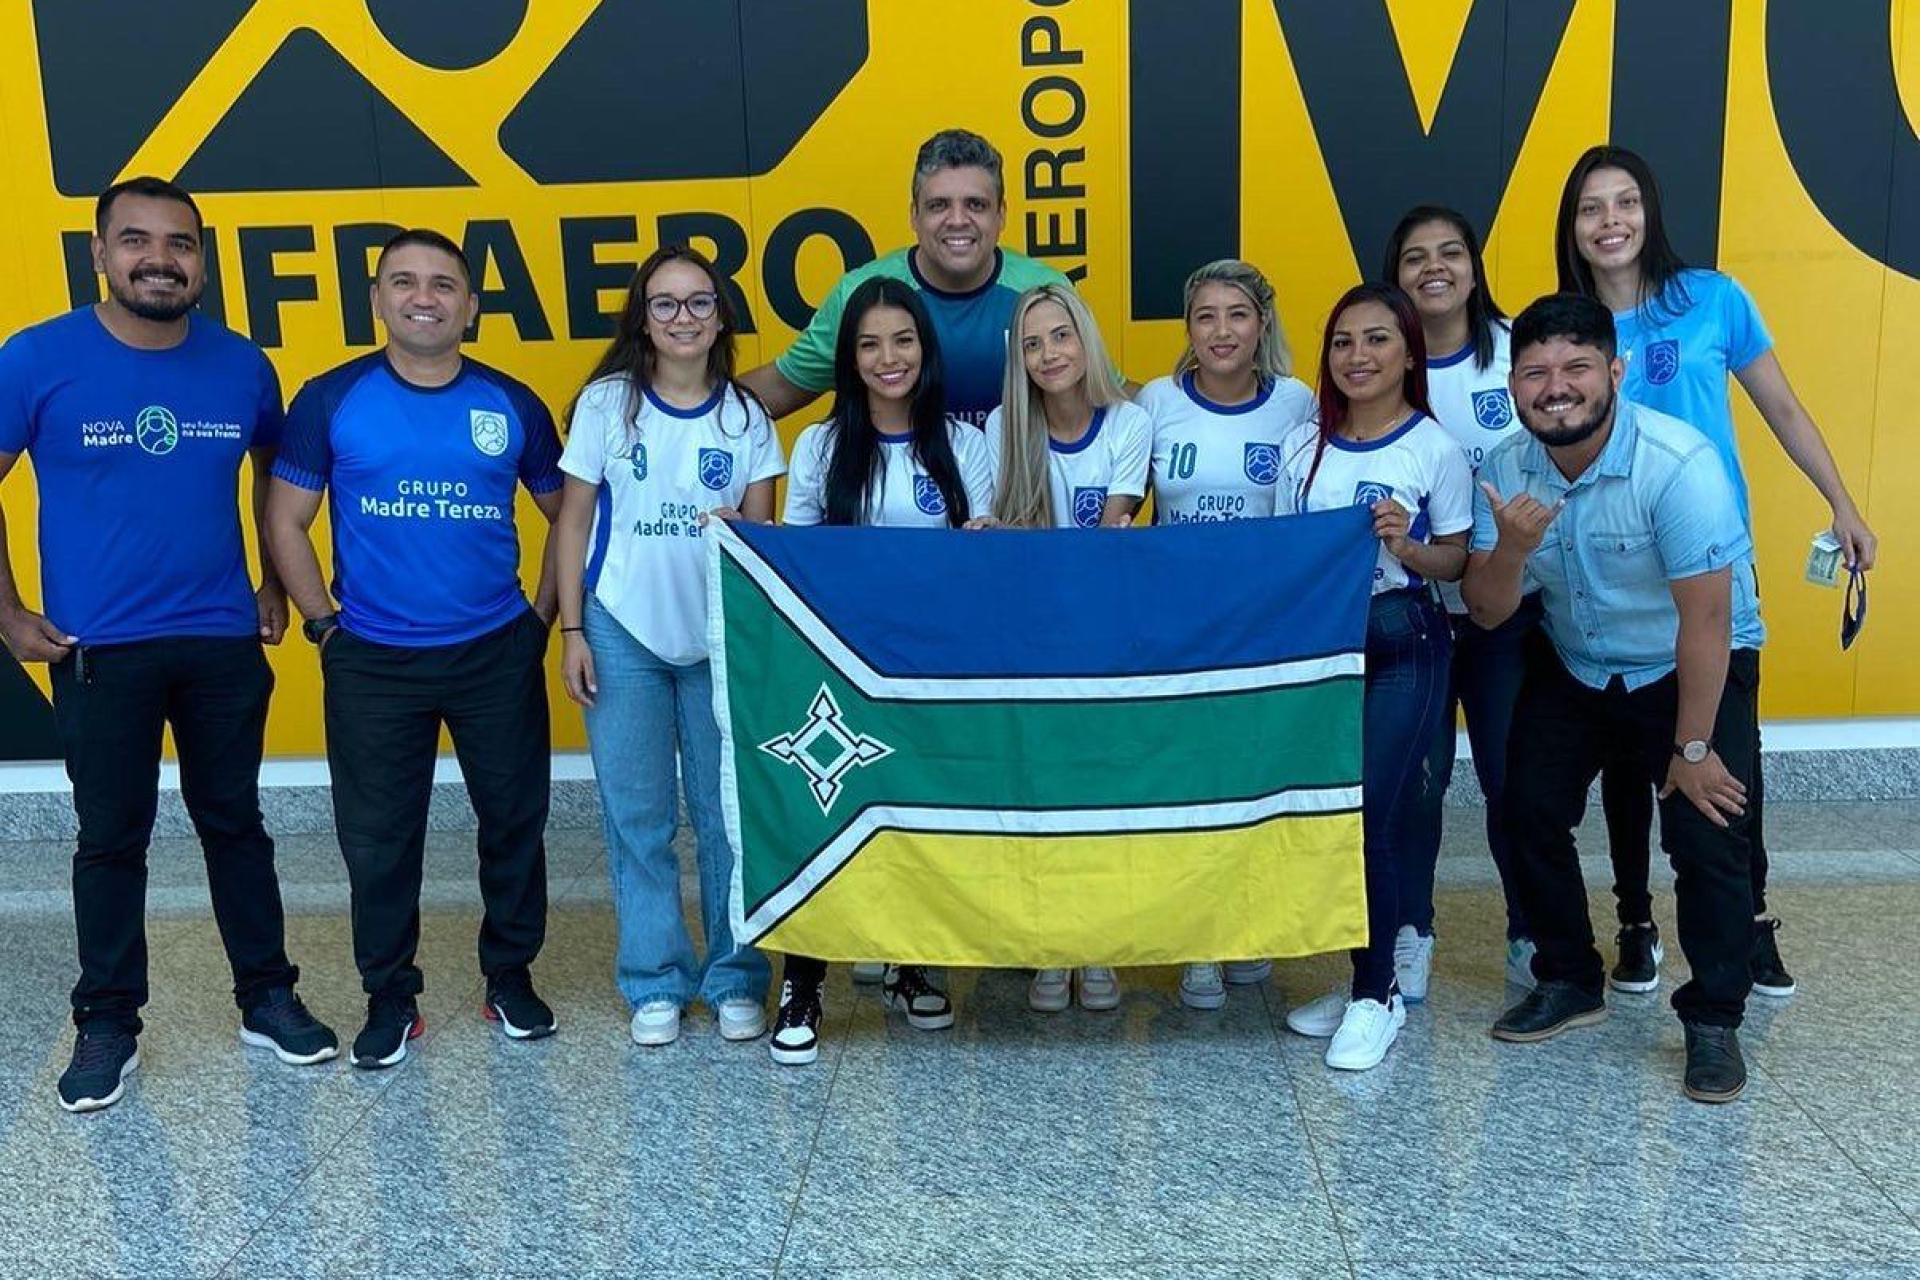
x=1682, y=331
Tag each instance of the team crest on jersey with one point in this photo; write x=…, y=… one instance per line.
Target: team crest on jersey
x=489, y=432
x=1663, y=361
x=716, y=468
x=1493, y=408
x=927, y=496
x=1263, y=462
x=1368, y=492
x=1089, y=504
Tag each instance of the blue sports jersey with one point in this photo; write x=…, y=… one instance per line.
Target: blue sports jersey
x=1679, y=351
x=137, y=454
x=425, y=549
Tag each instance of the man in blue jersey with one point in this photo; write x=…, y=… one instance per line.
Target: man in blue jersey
x=423, y=450
x=968, y=281
x=137, y=412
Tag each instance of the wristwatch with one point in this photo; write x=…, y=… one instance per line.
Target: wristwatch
x=316, y=629
x=1693, y=752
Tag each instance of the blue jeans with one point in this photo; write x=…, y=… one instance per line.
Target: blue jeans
x=1487, y=669
x=1408, y=643
x=646, y=712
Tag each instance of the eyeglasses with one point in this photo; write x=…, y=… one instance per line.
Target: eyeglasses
x=1853, y=614
x=666, y=308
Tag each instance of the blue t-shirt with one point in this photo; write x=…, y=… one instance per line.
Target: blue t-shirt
x=1679, y=350
x=137, y=454
x=425, y=549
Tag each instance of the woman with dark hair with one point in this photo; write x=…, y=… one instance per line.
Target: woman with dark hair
x=1376, y=445
x=661, y=425
x=1682, y=331
x=1435, y=256
x=887, y=454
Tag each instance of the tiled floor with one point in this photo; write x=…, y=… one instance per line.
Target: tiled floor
x=1152, y=1141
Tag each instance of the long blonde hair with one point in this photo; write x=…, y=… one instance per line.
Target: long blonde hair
x=1271, y=358
x=1025, y=493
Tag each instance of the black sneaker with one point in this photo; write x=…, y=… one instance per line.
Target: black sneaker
x=1715, y=1070
x=280, y=1022
x=906, y=989
x=796, y=1030
x=392, y=1020
x=1638, y=969
x=1549, y=1009
x=511, y=1002
x=102, y=1060
x=1770, y=977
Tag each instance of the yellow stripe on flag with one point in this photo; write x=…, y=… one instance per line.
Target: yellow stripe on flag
x=1289, y=886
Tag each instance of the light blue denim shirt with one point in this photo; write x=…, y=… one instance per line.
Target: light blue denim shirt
x=1654, y=507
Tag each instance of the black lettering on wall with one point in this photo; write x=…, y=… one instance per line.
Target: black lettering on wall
x=266, y=288
x=1380, y=159
x=1042, y=45
x=1046, y=94
x=779, y=264
x=353, y=246
x=725, y=246
x=1837, y=101
x=491, y=240
x=587, y=277
x=1670, y=105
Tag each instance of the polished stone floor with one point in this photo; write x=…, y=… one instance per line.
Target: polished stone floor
x=1152, y=1141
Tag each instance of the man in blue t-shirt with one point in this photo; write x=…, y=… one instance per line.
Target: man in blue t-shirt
x=137, y=412
x=423, y=450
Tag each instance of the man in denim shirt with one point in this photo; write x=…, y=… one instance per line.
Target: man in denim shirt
x=1623, y=520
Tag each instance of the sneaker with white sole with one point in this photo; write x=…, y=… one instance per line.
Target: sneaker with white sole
x=1637, y=968
x=796, y=1029
x=1319, y=1019
x=1202, y=987
x=1099, y=988
x=1366, y=1032
x=97, y=1076
x=1246, y=973
x=516, y=1008
x=1520, y=953
x=655, y=1022
x=279, y=1021
x=740, y=1018
x=1050, y=990
x=1412, y=963
x=869, y=973
x=392, y=1020
x=909, y=990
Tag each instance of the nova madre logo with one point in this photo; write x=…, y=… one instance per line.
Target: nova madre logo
x=157, y=430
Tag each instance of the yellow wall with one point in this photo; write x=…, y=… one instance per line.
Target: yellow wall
x=1836, y=314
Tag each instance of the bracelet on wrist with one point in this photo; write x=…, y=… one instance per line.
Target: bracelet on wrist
x=572, y=630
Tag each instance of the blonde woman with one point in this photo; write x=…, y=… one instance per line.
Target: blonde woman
x=1070, y=452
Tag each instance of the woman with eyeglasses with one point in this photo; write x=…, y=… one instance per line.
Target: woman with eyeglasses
x=1682, y=332
x=662, y=438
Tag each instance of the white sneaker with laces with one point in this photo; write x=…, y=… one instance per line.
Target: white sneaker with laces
x=1412, y=962
x=1050, y=991
x=655, y=1023
x=1366, y=1033
x=741, y=1019
x=1318, y=1019
x=1247, y=973
x=1099, y=988
x=1202, y=987
x=869, y=973
x=1520, y=962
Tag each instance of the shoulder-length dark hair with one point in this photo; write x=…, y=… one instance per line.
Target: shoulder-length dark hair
x=1334, y=405
x=854, y=468
x=1660, y=265
x=631, y=356
x=1483, y=313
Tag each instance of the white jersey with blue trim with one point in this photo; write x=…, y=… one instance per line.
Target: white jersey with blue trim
x=1417, y=464
x=1214, y=461
x=1476, y=409
x=1110, y=459
x=903, y=495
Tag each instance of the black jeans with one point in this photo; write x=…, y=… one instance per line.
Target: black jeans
x=1563, y=733
x=111, y=704
x=384, y=706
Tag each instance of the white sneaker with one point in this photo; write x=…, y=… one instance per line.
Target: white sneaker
x=655, y=1023
x=1247, y=973
x=1366, y=1033
x=1412, y=962
x=869, y=973
x=1050, y=991
x=1201, y=987
x=1320, y=1018
x=1520, y=962
x=1099, y=988
x=741, y=1019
